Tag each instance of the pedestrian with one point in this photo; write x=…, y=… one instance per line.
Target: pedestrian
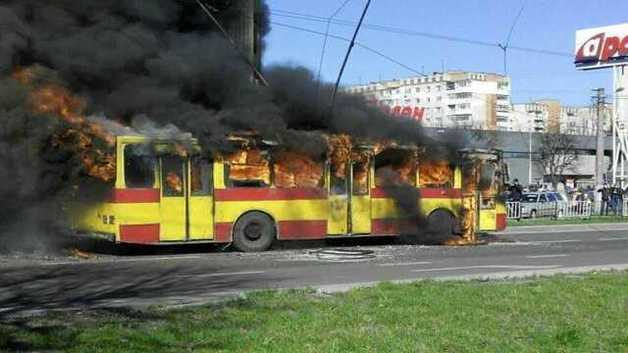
x=605, y=199
x=618, y=199
x=516, y=191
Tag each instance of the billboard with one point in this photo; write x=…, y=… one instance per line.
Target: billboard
x=602, y=47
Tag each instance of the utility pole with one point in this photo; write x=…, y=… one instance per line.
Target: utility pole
x=530, y=128
x=599, y=103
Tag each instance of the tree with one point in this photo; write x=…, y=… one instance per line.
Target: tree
x=556, y=155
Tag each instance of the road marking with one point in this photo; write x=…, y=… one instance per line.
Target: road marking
x=118, y=260
x=404, y=263
x=482, y=267
x=546, y=256
x=221, y=274
x=613, y=239
x=555, y=241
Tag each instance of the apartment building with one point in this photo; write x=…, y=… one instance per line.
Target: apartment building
x=552, y=117
x=464, y=99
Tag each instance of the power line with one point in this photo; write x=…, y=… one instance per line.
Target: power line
x=367, y=48
x=410, y=32
x=320, y=63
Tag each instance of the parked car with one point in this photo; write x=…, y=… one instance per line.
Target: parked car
x=542, y=204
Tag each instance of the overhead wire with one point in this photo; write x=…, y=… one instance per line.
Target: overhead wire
x=358, y=44
x=320, y=62
x=410, y=32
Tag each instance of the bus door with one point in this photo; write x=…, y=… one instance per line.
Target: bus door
x=487, y=196
x=360, y=202
x=200, y=202
x=338, y=217
x=186, y=199
x=173, y=209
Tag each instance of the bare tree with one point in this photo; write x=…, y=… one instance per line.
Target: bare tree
x=556, y=155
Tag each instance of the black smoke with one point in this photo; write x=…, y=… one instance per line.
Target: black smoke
x=165, y=60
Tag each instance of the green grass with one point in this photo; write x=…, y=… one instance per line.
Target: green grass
x=561, y=314
x=550, y=221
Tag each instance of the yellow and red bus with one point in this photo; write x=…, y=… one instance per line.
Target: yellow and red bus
x=259, y=192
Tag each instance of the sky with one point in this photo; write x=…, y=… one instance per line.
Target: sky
x=547, y=25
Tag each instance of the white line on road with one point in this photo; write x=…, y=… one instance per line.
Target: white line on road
x=546, y=256
x=404, y=263
x=613, y=239
x=482, y=267
x=118, y=260
x=556, y=241
x=222, y=274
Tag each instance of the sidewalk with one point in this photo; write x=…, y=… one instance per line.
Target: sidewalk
x=566, y=228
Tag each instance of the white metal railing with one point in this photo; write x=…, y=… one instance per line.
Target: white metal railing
x=562, y=209
x=574, y=209
x=514, y=210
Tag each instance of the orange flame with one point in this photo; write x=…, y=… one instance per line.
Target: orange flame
x=435, y=174
x=293, y=169
x=56, y=100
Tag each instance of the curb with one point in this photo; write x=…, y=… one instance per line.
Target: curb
x=564, y=227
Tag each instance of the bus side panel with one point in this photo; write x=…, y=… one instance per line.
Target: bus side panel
x=94, y=218
x=386, y=217
x=299, y=213
x=501, y=215
x=488, y=220
x=131, y=215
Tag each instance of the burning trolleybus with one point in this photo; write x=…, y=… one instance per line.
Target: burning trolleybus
x=168, y=192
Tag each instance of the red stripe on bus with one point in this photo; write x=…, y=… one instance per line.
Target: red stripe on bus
x=302, y=229
x=139, y=233
x=223, y=232
x=501, y=221
x=426, y=193
x=263, y=194
x=393, y=226
x=429, y=193
x=134, y=195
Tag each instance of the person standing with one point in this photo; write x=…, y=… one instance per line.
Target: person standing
x=516, y=191
x=605, y=200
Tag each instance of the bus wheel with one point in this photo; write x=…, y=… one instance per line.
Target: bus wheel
x=440, y=225
x=254, y=232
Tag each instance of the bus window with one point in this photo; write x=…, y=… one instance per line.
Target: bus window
x=248, y=168
x=139, y=167
x=200, y=177
x=172, y=176
x=436, y=174
x=296, y=170
x=394, y=167
x=338, y=180
x=360, y=178
x=487, y=176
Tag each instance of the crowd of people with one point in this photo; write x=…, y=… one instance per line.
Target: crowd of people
x=611, y=196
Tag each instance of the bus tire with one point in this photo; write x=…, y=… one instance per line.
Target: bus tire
x=254, y=232
x=440, y=225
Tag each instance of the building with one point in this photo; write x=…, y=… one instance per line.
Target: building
x=474, y=100
x=550, y=116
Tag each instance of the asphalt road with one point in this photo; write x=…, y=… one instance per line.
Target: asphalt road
x=203, y=275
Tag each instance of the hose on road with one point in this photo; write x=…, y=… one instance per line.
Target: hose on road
x=343, y=255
